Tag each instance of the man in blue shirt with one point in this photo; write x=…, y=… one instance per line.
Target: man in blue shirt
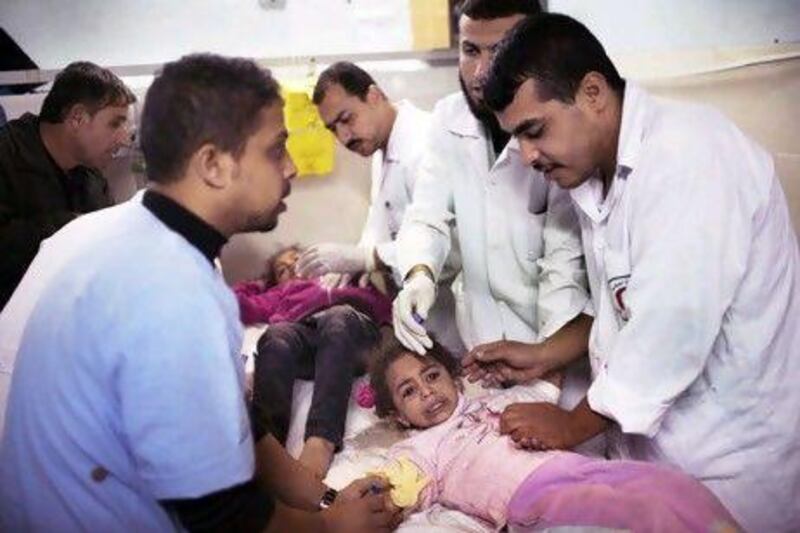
x=127, y=408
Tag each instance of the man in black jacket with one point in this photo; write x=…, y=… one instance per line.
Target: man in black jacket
x=49, y=164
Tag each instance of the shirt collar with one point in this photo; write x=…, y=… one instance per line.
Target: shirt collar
x=402, y=129
x=588, y=195
x=198, y=232
x=464, y=123
x=632, y=126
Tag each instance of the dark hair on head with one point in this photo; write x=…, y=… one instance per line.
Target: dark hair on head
x=555, y=50
x=84, y=83
x=199, y=99
x=269, y=273
x=353, y=79
x=496, y=9
x=389, y=351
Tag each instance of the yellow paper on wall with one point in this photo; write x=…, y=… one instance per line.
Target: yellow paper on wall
x=430, y=24
x=310, y=144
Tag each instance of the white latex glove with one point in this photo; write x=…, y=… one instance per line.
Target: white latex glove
x=335, y=280
x=332, y=257
x=410, y=309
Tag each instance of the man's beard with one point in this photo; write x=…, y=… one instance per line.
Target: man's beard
x=487, y=118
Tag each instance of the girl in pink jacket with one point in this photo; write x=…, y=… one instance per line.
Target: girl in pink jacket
x=317, y=333
x=463, y=461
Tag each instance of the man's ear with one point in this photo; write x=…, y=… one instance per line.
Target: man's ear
x=213, y=166
x=374, y=94
x=77, y=115
x=594, y=91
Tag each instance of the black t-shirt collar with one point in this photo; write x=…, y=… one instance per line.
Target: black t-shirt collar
x=198, y=232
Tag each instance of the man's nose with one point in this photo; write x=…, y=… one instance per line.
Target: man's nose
x=343, y=134
x=530, y=152
x=290, y=171
x=482, y=68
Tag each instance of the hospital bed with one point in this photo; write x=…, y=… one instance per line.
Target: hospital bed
x=367, y=439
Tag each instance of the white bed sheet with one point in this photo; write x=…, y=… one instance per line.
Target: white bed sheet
x=366, y=441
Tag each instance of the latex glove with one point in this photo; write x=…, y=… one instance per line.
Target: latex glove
x=332, y=257
x=335, y=280
x=410, y=309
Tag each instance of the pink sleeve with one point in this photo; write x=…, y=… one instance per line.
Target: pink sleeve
x=257, y=307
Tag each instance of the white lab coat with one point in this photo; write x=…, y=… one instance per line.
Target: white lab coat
x=522, y=265
x=695, y=277
x=394, y=173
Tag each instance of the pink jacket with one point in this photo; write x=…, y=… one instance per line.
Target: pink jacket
x=299, y=298
x=471, y=467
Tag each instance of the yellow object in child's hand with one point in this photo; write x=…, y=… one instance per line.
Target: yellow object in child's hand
x=407, y=481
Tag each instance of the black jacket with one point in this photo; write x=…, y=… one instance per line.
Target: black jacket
x=36, y=198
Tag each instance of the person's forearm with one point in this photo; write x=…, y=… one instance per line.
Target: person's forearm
x=570, y=342
x=286, y=478
x=587, y=423
x=286, y=518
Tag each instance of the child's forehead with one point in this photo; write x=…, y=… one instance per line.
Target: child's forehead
x=408, y=364
x=287, y=256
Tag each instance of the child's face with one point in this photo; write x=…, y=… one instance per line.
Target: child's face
x=423, y=393
x=283, y=265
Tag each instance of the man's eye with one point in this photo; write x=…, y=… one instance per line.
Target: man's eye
x=277, y=152
x=433, y=376
x=407, y=392
x=533, y=134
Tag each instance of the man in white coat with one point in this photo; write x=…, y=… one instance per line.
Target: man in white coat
x=694, y=270
x=365, y=121
x=522, y=265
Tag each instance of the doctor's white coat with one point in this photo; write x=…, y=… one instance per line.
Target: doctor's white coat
x=522, y=264
x=394, y=174
x=695, y=277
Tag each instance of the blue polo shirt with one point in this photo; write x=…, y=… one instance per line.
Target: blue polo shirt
x=128, y=387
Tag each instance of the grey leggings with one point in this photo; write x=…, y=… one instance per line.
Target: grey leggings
x=328, y=347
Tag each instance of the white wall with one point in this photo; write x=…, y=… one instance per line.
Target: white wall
x=114, y=32
x=646, y=26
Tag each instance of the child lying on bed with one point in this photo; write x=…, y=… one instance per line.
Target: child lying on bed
x=461, y=460
x=315, y=333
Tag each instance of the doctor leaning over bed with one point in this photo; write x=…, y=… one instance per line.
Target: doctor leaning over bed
x=693, y=266
x=127, y=409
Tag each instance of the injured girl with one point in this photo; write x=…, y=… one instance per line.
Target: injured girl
x=460, y=460
x=317, y=333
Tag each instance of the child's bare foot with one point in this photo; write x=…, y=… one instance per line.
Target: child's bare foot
x=317, y=455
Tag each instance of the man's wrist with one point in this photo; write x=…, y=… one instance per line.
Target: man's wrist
x=585, y=423
x=328, y=497
x=417, y=269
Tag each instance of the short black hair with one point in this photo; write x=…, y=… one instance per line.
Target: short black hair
x=390, y=350
x=199, y=99
x=496, y=9
x=555, y=50
x=84, y=83
x=352, y=78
